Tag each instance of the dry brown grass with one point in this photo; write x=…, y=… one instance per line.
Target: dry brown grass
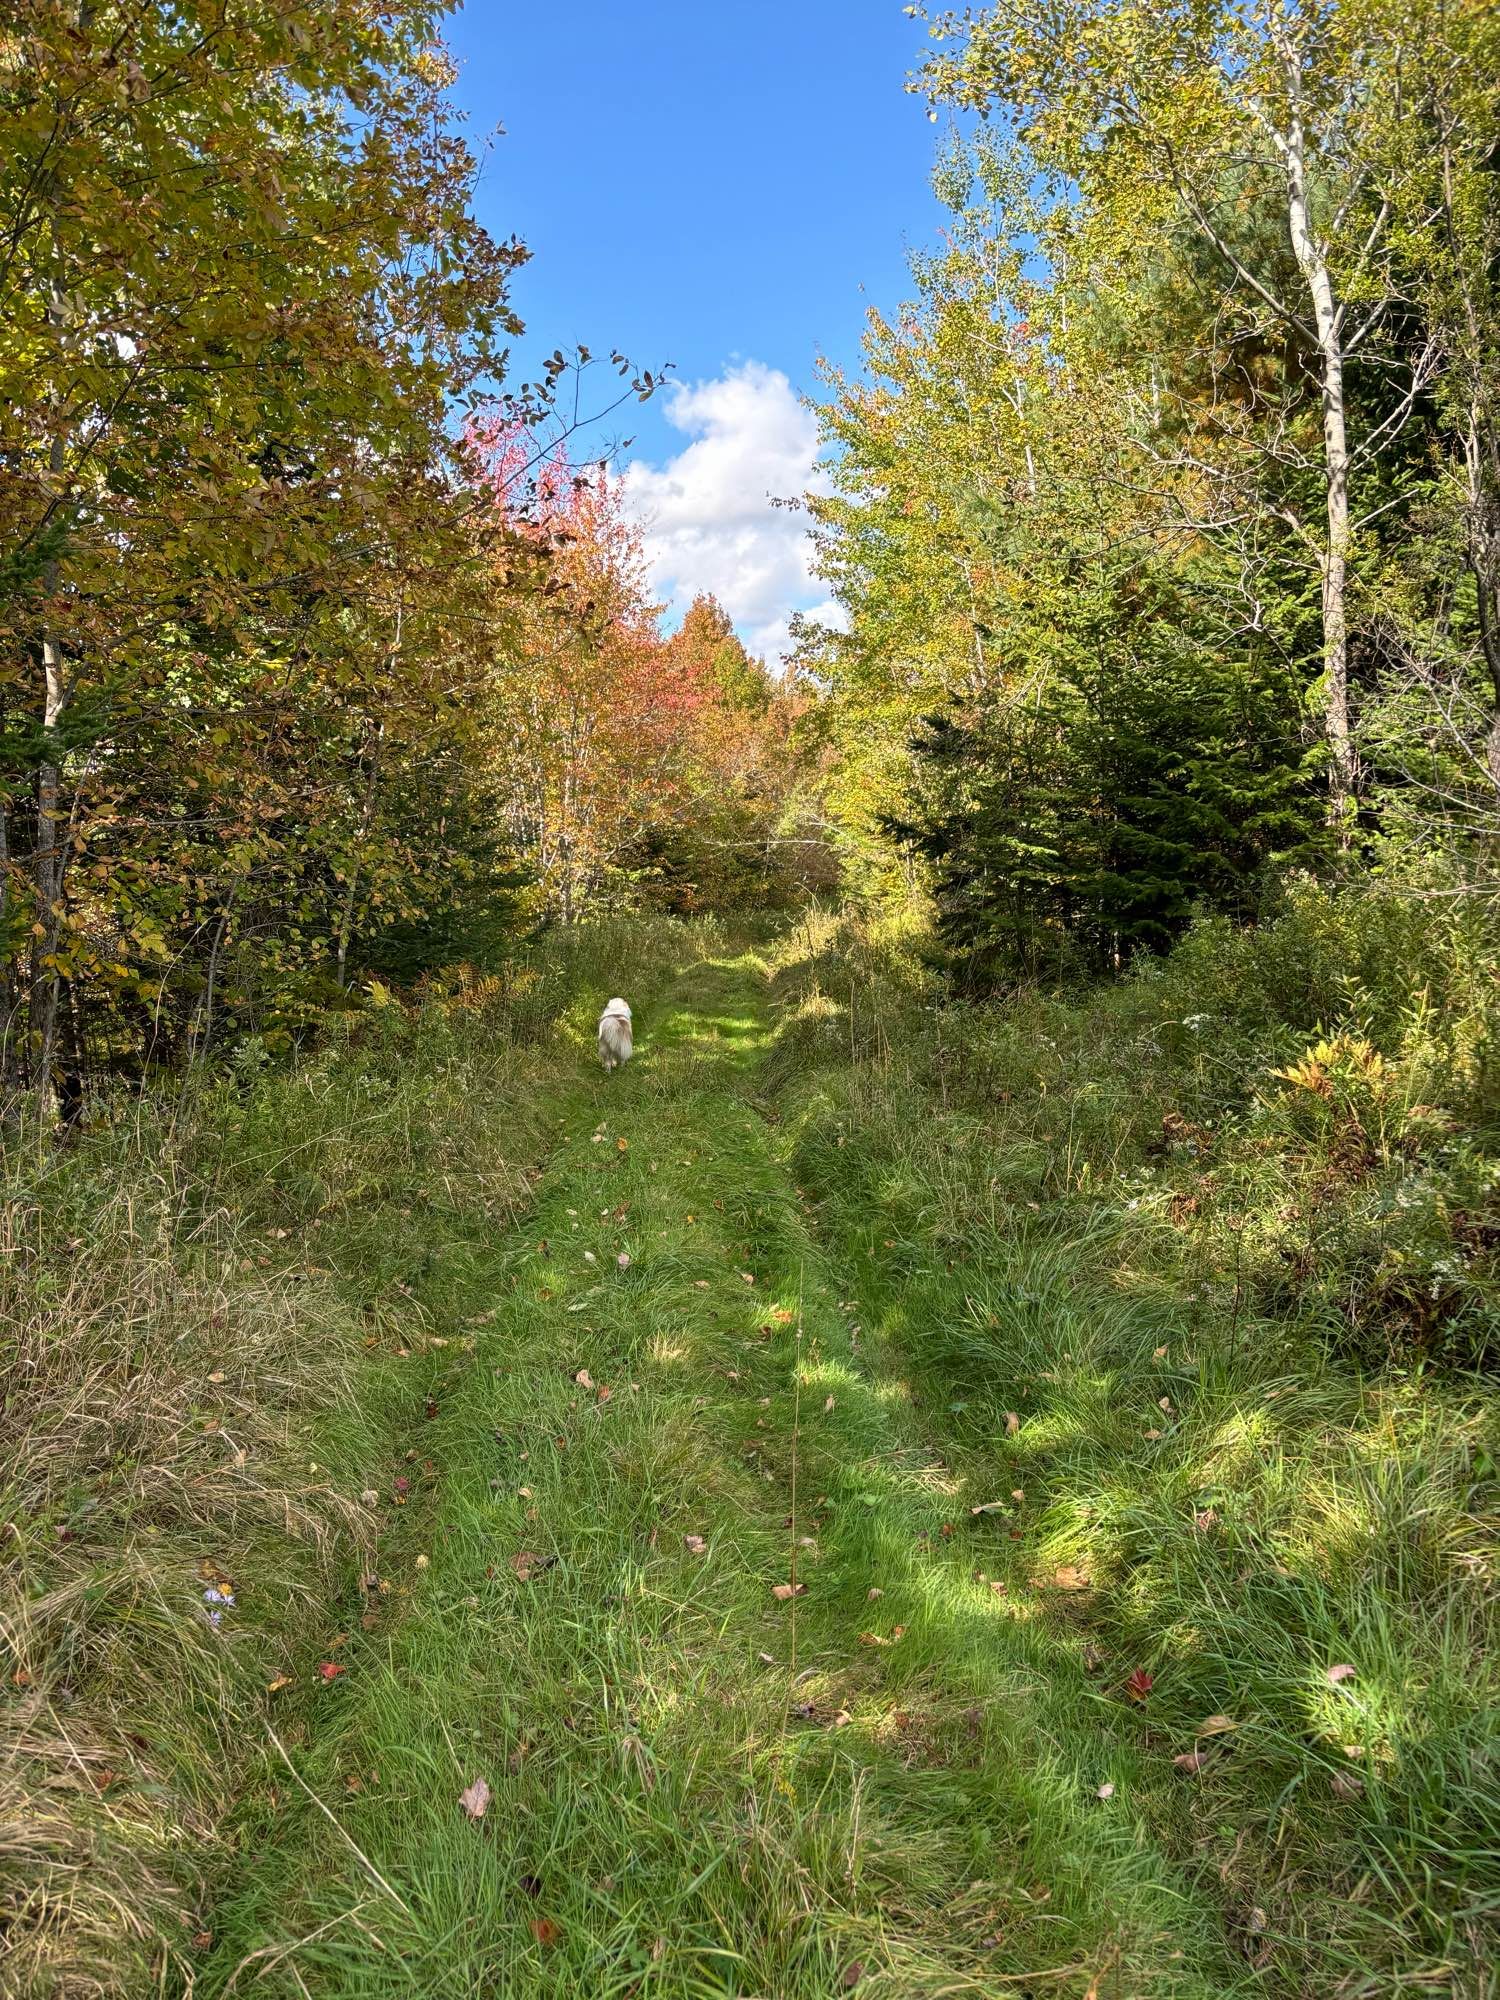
x=159, y=1405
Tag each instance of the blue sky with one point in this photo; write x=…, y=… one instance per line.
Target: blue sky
x=727, y=186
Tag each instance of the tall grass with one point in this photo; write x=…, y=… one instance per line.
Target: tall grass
x=219, y=1316
x=1202, y=1266
x=989, y=1325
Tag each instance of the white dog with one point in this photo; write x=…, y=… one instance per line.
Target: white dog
x=615, y=1045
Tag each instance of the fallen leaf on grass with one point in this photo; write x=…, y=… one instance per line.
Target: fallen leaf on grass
x=1139, y=1684
x=1069, y=1577
x=852, y=1973
x=1105, y=1791
x=766, y=1659
x=1216, y=1725
x=1191, y=1760
x=695, y=1545
x=828, y=1406
x=330, y=1670
x=989, y=1507
x=1346, y=1785
x=1012, y=1423
x=542, y=1928
x=604, y=1392
x=584, y=1379
x=1338, y=1674
x=623, y=1260
x=786, y=1590
x=474, y=1798
x=622, y=1145
x=874, y=1592
x=281, y=1681
x=527, y=1564
x=1205, y=1519
x=748, y=1276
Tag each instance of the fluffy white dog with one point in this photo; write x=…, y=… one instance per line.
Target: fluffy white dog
x=615, y=1045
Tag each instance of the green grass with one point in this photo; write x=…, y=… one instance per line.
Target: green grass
x=697, y=1788
x=854, y=1309
x=1247, y=1508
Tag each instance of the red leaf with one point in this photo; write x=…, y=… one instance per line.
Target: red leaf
x=1139, y=1685
x=330, y=1670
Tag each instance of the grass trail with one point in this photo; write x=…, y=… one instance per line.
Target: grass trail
x=885, y=1782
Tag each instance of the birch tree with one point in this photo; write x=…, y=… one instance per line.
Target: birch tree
x=1149, y=118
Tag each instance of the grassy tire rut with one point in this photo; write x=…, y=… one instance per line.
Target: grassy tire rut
x=685, y=1594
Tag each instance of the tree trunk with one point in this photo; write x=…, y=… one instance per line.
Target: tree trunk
x=50, y=859
x=1343, y=773
x=366, y=821
x=1482, y=539
x=1485, y=563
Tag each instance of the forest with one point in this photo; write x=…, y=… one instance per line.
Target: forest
x=972, y=1465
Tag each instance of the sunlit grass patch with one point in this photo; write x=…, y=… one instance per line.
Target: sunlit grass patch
x=1234, y=1514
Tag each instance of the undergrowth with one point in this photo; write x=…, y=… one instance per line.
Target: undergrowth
x=881, y=1494
x=222, y=1317
x=1202, y=1266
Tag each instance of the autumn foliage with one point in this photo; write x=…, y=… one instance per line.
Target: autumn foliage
x=299, y=680
x=628, y=765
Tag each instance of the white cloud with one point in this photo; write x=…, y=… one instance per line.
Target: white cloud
x=706, y=515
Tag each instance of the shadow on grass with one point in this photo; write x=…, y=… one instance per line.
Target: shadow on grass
x=1184, y=1495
